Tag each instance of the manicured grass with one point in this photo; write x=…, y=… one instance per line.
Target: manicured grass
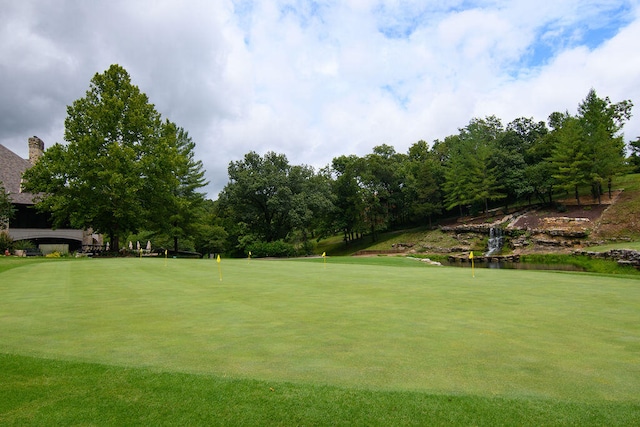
x=53, y=392
x=592, y=265
x=383, y=335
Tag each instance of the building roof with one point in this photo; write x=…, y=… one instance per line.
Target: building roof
x=12, y=167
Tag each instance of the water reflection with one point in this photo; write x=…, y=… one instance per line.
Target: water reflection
x=513, y=265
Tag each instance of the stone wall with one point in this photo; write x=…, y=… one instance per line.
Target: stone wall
x=622, y=256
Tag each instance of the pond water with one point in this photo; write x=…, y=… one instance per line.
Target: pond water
x=513, y=265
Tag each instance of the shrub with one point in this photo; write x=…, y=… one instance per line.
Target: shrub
x=6, y=242
x=24, y=244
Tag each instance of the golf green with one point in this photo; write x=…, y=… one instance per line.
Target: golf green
x=388, y=323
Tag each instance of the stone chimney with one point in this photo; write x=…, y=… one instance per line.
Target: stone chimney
x=36, y=149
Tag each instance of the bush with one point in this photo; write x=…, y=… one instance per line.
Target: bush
x=278, y=249
x=24, y=244
x=6, y=242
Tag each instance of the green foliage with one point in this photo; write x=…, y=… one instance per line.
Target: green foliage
x=471, y=176
x=122, y=169
x=267, y=199
x=7, y=209
x=6, y=242
x=277, y=248
x=24, y=244
x=592, y=265
x=634, y=158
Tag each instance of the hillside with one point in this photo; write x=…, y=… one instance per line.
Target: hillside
x=563, y=228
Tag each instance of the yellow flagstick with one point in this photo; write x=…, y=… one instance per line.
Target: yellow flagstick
x=165, y=257
x=249, y=258
x=324, y=259
x=219, y=268
x=473, y=273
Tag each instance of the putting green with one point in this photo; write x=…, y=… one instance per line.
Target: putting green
x=402, y=326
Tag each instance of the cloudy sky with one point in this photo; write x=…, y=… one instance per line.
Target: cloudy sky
x=316, y=79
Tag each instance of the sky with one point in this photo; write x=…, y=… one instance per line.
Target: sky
x=315, y=80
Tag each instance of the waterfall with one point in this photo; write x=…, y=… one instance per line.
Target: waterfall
x=495, y=241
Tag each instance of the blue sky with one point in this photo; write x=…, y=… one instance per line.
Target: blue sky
x=316, y=79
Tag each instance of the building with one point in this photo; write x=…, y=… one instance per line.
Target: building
x=28, y=223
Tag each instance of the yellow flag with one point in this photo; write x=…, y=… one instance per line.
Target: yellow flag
x=218, y=259
x=471, y=255
x=324, y=254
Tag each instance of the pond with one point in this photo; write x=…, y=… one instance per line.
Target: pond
x=512, y=265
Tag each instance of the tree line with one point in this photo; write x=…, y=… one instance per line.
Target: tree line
x=485, y=165
x=125, y=170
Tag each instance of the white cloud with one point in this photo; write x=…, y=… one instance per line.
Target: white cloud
x=315, y=80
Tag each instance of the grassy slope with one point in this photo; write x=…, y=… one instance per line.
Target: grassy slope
x=380, y=344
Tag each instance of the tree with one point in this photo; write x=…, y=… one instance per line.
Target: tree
x=268, y=200
x=112, y=175
x=471, y=176
x=312, y=203
x=513, y=156
x=210, y=236
x=457, y=176
x=569, y=157
x=6, y=207
x=179, y=177
x=349, y=198
x=602, y=122
x=258, y=196
x=422, y=185
x=634, y=158
x=381, y=181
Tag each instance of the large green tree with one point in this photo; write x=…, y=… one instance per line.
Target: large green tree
x=602, y=122
x=178, y=177
x=471, y=175
x=117, y=171
x=569, y=157
x=422, y=183
x=267, y=200
x=349, y=196
x=513, y=155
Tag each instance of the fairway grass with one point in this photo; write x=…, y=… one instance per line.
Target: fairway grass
x=384, y=326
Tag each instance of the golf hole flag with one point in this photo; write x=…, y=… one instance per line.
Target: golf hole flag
x=473, y=273
x=219, y=268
